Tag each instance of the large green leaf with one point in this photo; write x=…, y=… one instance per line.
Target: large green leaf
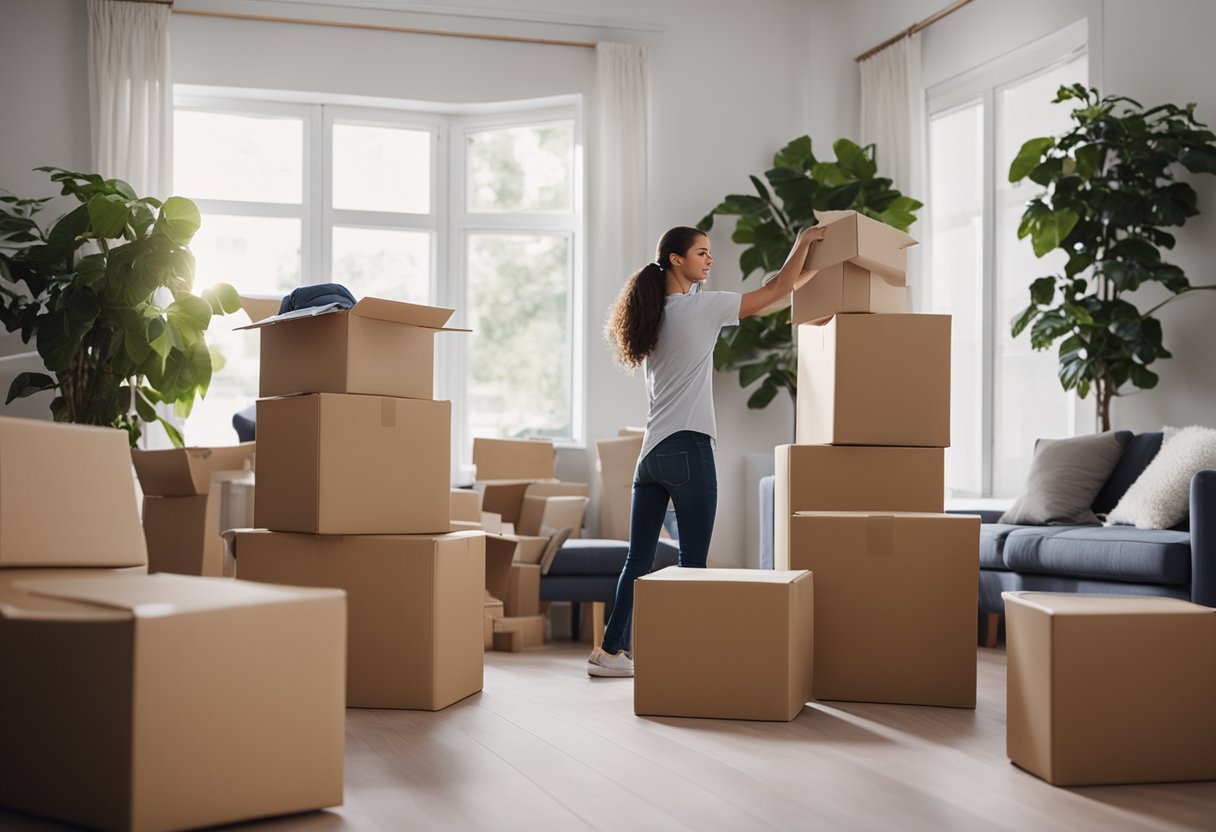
x=1029, y=156
x=853, y=159
x=796, y=155
x=27, y=384
x=189, y=314
x=108, y=215
x=179, y=220
x=223, y=298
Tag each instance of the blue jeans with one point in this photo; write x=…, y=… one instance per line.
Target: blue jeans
x=680, y=468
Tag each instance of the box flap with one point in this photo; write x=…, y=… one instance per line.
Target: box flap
x=179, y=472
x=260, y=308
x=147, y=596
x=1068, y=603
x=411, y=314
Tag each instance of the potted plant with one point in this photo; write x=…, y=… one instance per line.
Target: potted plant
x=762, y=346
x=107, y=300
x=1111, y=193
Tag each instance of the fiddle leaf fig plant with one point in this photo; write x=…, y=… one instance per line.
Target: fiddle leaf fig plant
x=106, y=296
x=761, y=348
x=1111, y=193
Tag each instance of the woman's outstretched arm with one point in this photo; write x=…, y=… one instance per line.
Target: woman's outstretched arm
x=790, y=277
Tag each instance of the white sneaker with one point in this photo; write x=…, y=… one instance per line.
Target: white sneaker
x=600, y=663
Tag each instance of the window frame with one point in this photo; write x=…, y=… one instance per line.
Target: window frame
x=449, y=222
x=983, y=84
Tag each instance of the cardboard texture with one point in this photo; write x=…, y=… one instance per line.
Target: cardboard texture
x=894, y=604
x=523, y=590
x=862, y=241
x=853, y=478
x=875, y=380
x=337, y=464
x=86, y=468
x=515, y=633
x=545, y=515
x=1110, y=689
x=416, y=604
x=118, y=711
x=493, y=609
x=691, y=660
x=183, y=472
x=513, y=459
x=618, y=459
x=183, y=535
x=466, y=505
x=846, y=287
x=378, y=347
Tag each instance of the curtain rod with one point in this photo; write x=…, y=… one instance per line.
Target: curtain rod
x=913, y=29
x=380, y=27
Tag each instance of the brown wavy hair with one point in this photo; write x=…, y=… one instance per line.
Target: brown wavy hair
x=633, y=324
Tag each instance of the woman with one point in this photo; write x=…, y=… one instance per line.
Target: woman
x=662, y=321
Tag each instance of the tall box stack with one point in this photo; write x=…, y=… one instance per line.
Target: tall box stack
x=353, y=491
x=860, y=496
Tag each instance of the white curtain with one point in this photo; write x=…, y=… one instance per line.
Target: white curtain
x=130, y=94
x=621, y=162
x=893, y=112
x=893, y=120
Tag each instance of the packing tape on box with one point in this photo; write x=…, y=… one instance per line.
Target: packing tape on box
x=880, y=535
x=388, y=412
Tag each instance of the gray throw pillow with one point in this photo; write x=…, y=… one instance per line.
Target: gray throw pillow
x=1065, y=477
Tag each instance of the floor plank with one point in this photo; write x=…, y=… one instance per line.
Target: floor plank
x=546, y=747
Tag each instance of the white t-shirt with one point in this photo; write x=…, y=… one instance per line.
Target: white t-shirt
x=679, y=370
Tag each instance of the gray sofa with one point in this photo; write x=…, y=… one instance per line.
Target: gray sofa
x=1093, y=559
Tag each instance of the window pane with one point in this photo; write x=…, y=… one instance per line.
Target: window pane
x=956, y=200
x=519, y=377
x=382, y=169
x=238, y=157
x=522, y=169
x=257, y=255
x=1028, y=401
x=383, y=263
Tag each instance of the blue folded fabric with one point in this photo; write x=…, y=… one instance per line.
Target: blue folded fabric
x=318, y=294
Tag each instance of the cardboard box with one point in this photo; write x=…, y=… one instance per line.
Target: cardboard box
x=618, y=460
x=521, y=632
x=862, y=241
x=846, y=287
x=894, y=604
x=1110, y=689
x=337, y=464
x=184, y=472
x=183, y=535
x=853, y=478
x=415, y=603
x=466, y=505
x=875, y=380
x=691, y=659
x=493, y=609
x=545, y=515
x=163, y=702
x=378, y=347
x=506, y=498
x=513, y=459
x=67, y=497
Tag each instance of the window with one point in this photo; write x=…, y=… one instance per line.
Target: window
x=1004, y=394
x=480, y=212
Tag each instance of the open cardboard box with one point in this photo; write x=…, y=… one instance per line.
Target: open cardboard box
x=618, y=460
x=183, y=503
x=68, y=497
x=378, y=347
x=847, y=287
x=161, y=702
x=865, y=242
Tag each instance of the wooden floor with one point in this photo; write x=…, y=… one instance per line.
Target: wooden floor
x=545, y=747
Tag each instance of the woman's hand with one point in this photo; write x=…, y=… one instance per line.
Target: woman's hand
x=811, y=234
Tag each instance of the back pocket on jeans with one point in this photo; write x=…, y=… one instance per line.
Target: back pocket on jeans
x=673, y=469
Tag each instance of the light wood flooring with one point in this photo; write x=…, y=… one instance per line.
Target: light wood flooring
x=545, y=747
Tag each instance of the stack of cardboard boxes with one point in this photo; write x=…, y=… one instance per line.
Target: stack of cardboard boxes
x=155, y=702
x=523, y=504
x=353, y=492
x=859, y=498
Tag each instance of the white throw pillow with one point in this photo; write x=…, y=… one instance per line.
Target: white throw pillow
x=1160, y=496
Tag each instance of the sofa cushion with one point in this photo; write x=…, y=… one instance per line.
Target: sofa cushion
x=1139, y=452
x=1065, y=476
x=992, y=544
x=591, y=556
x=1160, y=497
x=1113, y=553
